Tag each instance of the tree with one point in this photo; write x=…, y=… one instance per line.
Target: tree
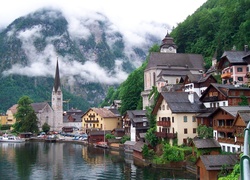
x=46, y=127
x=244, y=101
x=205, y=132
x=26, y=119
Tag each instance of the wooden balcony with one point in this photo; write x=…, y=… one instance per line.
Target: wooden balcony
x=212, y=98
x=226, y=140
x=166, y=135
x=164, y=123
x=92, y=121
x=226, y=75
x=224, y=129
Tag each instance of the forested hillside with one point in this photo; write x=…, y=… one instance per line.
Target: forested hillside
x=216, y=26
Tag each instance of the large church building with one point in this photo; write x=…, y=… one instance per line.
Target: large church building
x=167, y=67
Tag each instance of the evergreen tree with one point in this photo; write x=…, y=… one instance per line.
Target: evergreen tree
x=26, y=119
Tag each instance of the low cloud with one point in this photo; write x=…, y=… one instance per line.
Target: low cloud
x=43, y=63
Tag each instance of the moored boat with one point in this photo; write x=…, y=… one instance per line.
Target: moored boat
x=11, y=138
x=102, y=145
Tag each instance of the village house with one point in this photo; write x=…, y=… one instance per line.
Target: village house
x=135, y=122
x=209, y=166
x=176, y=116
x=167, y=67
x=240, y=124
x=10, y=115
x=198, y=82
x=217, y=95
x=97, y=136
x=223, y=129
x=234, y=67
x=3, y=119
x=72, y=120
x=206, y=147
x=96, y=119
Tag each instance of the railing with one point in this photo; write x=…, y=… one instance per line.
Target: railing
x=224, y=128
x=211, y=98
x=245, y=159
x=166, y=135
x=163, y=123
x=226, y=140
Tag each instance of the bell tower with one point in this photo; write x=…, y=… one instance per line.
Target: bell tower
x=57, y=102
x=168, y=45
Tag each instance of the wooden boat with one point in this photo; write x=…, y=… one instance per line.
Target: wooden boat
x=11, y=138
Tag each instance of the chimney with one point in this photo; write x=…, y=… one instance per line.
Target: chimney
x=246, y=48
x=191, y=97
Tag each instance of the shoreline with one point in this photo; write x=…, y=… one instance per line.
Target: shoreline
x=141, y=162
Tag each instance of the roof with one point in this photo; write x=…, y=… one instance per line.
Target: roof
x=206, y=143
x=38, y=106
x=137, y=116
x=199, y=78
x=235, y=56
x=103, y=112
x=223, y=89
x=215, y=162
x=138, y=146
x=131, y=143
x=176, y=60
x=245, y=115
x=178, y=102
x=233, y=110
x=13, y=109
x=98, y=133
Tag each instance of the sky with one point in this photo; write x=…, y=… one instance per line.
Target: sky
x=133, y=18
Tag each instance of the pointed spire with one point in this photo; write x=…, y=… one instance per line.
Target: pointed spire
x=57, y=78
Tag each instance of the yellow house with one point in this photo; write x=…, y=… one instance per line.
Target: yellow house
x=176, y=116
x=3, y=119
x=10, y=113
x=100, y=119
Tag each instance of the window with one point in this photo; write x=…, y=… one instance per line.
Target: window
x=194, y=130
x=185, y=118
x=172, y=119
x=239, y=69
x=185, y=131
x=240, y=78
x=163, y=107
x=194, y=119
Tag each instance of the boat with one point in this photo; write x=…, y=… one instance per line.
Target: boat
x=51, y=138
x=11, y=138
x=102, y=145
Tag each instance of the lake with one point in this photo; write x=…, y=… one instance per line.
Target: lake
x=59, y=161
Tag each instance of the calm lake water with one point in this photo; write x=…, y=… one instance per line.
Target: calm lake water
x=59, y=161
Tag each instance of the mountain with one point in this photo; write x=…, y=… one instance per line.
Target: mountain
x=93, y=55
x=213, y=28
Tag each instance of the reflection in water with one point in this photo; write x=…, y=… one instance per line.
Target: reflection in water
x=38, y=160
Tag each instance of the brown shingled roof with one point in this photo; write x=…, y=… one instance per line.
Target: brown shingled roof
x=206, y=143
x=103, y=112
x=215, y=162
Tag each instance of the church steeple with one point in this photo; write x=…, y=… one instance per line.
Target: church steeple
x=57, y=102
x=168, y=45
x=57, y=78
